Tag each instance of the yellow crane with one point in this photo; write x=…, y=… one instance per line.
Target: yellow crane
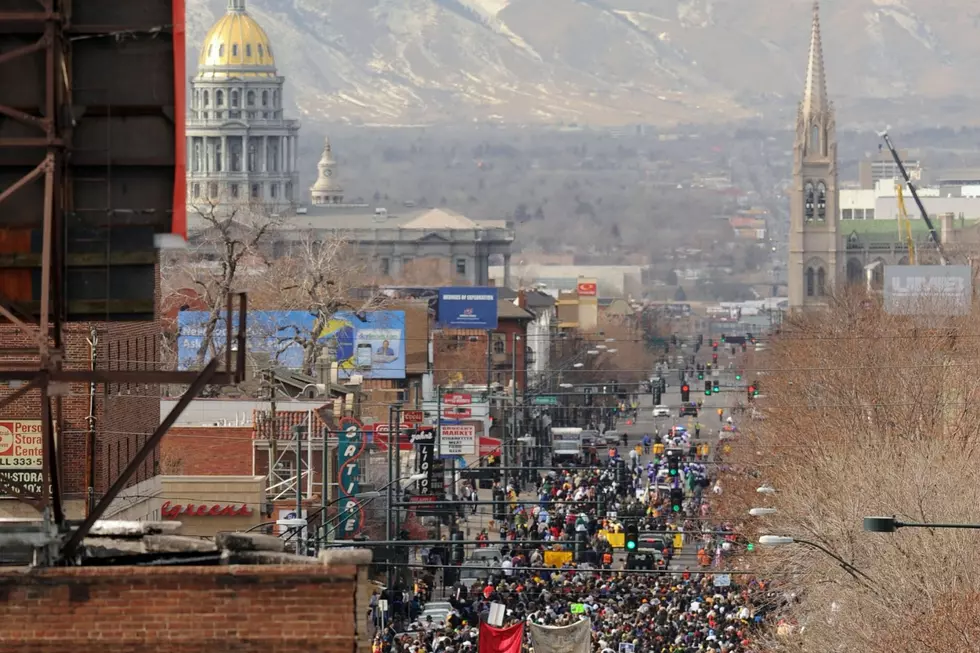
x=905, y=225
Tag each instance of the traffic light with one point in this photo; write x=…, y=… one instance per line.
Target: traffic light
x=700, y=375
x=733, y=350
x=716, y=388
x=632, y=536
x=685, y=393
x=751, y=392
x=676, y=499
x=723, y=337
x=714, y=358
x=707, y=388
x=750, y=547
x=714, y=346
x=673, y=464
x=738, y=375
x=744, y=347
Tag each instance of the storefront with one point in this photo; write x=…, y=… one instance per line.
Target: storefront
x=204, y=505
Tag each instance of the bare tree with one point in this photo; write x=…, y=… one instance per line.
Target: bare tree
x=227, y=251
x=322, y=276
x=867, y=413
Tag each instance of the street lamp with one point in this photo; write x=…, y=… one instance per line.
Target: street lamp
x=891, y=524
x=762, y=512
x=782, y=540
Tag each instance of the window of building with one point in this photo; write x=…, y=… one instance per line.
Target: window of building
x=275, y=99
x=385, y=266
x=250, y=98
x=221, y=50
x=256, y=191
x=461, y=267
x=217, y=155
x=260, y=51
x=206, y=98
x=859, y=214
x=212, y=190
x=234, y=49
x=219, y=98
x=869, y=214
x=196, y=190
x=810, y=282
x=289, y=190
x=265, y=98
x=274, y=191
x=234, y=99
x=252, y=156
x=248, y=49
x=846, y=214
x=499, y=347
x=821, y=282
x=234, y=191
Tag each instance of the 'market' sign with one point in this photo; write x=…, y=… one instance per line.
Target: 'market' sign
x=928, y=289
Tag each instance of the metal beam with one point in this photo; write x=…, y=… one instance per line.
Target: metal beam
x=204, y=378
x=52, y=474
x=40, y=44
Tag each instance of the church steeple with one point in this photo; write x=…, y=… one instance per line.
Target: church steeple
x=325, y=190
x=815, y=128
x=815, y=99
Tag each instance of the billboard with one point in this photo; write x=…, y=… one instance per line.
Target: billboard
x=468, y=308
x=22, y=452
x=372, y=345
x=928, y=289
x=587, y=288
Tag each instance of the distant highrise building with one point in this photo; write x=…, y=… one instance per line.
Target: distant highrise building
x=240, y=148
x=813, y=236
x=882, y=167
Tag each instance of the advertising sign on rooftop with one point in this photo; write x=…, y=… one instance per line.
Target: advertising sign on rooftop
x=468, y=308
x=928, y=289
x=370, y=344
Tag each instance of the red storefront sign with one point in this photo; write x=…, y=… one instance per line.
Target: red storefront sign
x=413, y=416
x=457, y=399
x=172, y=511
x=489, y=446
x=403, y=438
x=587, y=289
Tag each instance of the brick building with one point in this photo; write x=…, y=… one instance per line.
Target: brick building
x=125, y=414
x=308, y=608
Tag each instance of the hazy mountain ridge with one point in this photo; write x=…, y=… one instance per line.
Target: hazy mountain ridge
x=601, y=61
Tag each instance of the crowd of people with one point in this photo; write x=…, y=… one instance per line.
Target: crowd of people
x=672, y=609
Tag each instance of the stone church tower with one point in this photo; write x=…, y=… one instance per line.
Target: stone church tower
x=814, y=241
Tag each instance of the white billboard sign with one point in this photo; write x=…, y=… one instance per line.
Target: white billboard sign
x=928, y=289
x=22, y=452
x=457, y=440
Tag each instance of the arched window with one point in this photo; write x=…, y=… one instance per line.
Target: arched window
x=821, y=282
x=809, y=201
x=265, y=98
x=821, y=201
x=810, y=282
x=250, y=98
x=234, y=49
x=219, y=98
x=221, y=50
x=275, y=99
x=260, y=51
x=248, y=49
x=234, y=99
x=217, y=155
x=207, y=99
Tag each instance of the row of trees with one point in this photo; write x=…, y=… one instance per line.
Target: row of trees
x=866, y=413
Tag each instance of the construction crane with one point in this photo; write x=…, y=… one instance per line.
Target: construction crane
x=905, y=225
x=933, y=234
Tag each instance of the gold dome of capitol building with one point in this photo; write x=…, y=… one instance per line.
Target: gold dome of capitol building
x=236, y=46
x=242, y=149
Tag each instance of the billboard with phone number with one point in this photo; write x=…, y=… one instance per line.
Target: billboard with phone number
x=371, y=344
x=22, y=452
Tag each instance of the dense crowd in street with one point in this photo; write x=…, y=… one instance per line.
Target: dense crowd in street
x=677, y=610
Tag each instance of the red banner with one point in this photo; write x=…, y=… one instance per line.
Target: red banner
x=501, y=640
x=178, y=221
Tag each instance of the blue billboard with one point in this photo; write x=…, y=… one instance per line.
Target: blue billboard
x=371, y=344
x=468, y=308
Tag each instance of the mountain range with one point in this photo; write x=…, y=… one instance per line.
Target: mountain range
x=611, y=62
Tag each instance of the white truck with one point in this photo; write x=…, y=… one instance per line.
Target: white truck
x=566, y=445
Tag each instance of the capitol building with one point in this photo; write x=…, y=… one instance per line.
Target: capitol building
x=243, y=152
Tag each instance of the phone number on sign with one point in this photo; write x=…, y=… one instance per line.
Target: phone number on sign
x=30, y=461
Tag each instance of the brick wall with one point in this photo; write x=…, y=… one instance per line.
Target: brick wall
x=125, y=414
x=207, y=451
x=245, y=609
